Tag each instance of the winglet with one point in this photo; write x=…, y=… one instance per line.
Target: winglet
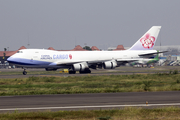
x=148, y=40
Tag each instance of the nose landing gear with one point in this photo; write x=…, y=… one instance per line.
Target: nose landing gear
x=24, y=72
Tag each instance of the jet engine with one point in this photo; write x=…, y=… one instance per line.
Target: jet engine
x=109, y=64
x=80, y=66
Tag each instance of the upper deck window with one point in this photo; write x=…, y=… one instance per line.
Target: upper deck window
x=19, y=51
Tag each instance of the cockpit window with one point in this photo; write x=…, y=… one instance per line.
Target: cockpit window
x=19, y=51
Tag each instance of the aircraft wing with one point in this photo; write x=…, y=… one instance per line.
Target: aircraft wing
x=77, y=61
x=119, y=60
x=65, y=63
x=92, y=62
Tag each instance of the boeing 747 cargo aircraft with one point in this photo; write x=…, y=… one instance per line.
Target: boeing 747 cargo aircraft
x=82, y=61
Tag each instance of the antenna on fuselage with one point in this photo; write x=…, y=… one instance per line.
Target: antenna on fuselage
x=75, y=41
x=28, y=41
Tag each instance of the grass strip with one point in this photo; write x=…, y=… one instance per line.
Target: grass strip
x=91, y=84
x=122, y=69
x=128, y=113
x=29, y=72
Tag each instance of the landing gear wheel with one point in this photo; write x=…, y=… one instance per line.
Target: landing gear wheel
x=89, y=71
x=24, y=72
x=84, y=72
x=72, y=72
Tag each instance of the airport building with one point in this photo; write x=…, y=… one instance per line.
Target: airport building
x=119, y=47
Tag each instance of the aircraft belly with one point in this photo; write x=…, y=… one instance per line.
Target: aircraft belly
x=27, y=62
x=30, y=63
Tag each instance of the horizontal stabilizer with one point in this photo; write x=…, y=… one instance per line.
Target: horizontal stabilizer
x=152, y=53
x=127, y=60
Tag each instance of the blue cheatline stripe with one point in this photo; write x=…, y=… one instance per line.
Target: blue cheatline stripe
x=21, y=61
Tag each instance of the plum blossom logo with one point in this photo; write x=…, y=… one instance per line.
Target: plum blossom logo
x=147, y=41
x=70, y=56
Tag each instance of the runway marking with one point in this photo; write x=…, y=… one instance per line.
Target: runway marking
x=99, y=106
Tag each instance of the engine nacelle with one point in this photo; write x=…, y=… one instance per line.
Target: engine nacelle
x=80, y=66
x=109, y=64
x=50, y=69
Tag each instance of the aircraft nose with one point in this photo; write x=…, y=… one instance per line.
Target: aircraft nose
x=10, y=59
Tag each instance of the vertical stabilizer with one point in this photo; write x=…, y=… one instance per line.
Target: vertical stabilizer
x=147, y=41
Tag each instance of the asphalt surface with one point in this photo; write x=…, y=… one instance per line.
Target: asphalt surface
x=118, y=71
x=89, y=101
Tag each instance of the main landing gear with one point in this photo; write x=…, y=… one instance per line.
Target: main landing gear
x=85, y=71
x=72, y=72
x=81, y=72
x=24, y=72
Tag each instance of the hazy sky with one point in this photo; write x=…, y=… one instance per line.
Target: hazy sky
x=62, y=24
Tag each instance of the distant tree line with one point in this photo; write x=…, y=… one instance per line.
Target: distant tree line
x=87, y=48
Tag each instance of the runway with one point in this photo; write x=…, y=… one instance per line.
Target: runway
x=124, y=70
x=89, y=101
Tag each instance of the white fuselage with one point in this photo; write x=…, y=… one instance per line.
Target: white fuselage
x=63, y=59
